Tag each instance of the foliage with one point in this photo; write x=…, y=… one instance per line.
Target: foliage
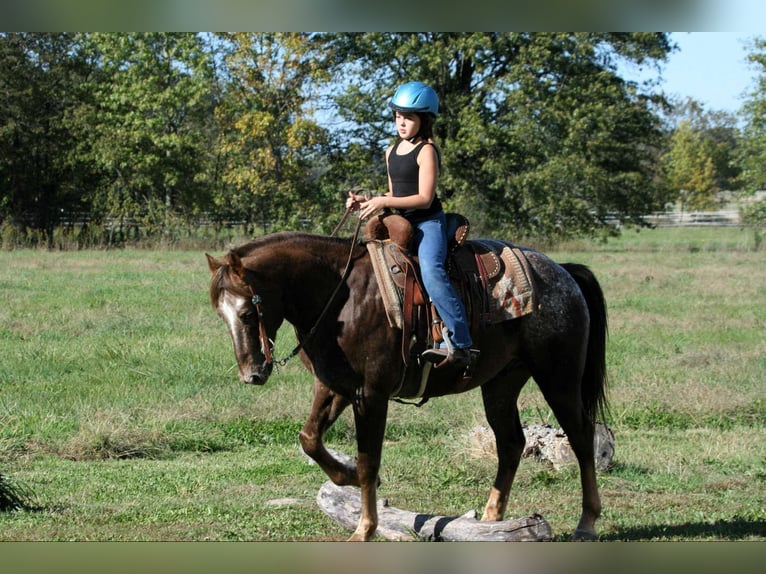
x=13, y=496
x=143, y=114
x=690, y=171
x=270, y=145
x=699, y=162
x=108, y=138
x=538, y=132
x=753, y=214
x=753, y=158
x=713, y=133
x=39, y=177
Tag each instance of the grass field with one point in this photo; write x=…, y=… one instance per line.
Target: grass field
x=121, y=412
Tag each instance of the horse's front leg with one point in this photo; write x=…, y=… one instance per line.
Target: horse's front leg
x=325, y=410
x=370, y=418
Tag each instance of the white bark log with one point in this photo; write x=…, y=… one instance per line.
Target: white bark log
x=342, y=503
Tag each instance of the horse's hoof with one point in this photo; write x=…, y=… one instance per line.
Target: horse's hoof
x=357, y=537
x=581, y=535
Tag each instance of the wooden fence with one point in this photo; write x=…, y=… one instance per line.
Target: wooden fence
x=720, y=218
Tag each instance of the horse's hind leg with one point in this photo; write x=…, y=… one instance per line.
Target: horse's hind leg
x=325, y=410
x=562, y=392
x=500, y=396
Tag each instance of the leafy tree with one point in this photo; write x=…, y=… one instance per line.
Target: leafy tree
x=270, y=144
x=700, y=160
x=39, y=178
x=539, y=133
x=753, y=149
x=143, y=114
x=753, y=157
x=690, y=170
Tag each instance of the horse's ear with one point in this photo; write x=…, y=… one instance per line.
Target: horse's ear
x=235, y=263
x=213, y=263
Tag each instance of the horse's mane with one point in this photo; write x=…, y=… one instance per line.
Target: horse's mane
x=224, y=280
x=295, y=237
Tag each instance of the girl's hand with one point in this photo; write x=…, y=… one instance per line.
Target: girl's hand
x=372, y=205
x=354, y=201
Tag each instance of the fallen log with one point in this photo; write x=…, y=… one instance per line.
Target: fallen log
x=343, y=503
x=548, y=444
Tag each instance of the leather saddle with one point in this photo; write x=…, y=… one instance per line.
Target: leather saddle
x=389, y=238
x=492, y=278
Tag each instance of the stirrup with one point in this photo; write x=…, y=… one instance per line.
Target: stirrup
x=446, y=357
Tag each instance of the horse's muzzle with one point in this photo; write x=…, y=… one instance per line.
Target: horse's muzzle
x=256, y=376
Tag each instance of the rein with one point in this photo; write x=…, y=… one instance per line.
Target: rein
x=266, y=343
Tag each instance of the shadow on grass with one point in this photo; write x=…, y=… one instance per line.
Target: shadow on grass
x=732, y=529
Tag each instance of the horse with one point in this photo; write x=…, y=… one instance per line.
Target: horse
x=324, y=286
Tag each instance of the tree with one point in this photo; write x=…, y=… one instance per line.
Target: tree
x=540, y=136
x=753, y=151
x=143, y=114
x=539, y=133
x=40, y=179
x=753, y=157
x=690, y=170
x=699, y=163
x=270, y=143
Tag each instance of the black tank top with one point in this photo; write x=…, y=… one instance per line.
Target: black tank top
x=403, y=170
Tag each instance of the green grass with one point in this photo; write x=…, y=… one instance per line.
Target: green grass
x=122, y=417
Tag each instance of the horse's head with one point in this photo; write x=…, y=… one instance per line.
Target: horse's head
x=251, y=312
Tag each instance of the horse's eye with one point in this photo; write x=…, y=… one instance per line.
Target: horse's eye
x=246, y=316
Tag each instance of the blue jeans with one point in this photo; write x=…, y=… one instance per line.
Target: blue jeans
x=431, y=246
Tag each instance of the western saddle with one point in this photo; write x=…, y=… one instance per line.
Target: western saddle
x=490, y=276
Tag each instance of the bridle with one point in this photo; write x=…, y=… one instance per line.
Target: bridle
x=263, y=336
x=266, y=343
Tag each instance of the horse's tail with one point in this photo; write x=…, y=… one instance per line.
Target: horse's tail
x=594, y=381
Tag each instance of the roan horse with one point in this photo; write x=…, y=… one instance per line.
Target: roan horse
x=326, y=289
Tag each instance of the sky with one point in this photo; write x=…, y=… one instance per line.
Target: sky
x=711, y=67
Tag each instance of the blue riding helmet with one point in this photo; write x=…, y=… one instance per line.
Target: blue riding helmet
x=415, y=97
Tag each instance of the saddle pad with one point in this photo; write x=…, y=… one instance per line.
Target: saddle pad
x=510, y=290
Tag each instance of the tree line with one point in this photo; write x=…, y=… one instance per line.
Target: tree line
x=111, y=137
